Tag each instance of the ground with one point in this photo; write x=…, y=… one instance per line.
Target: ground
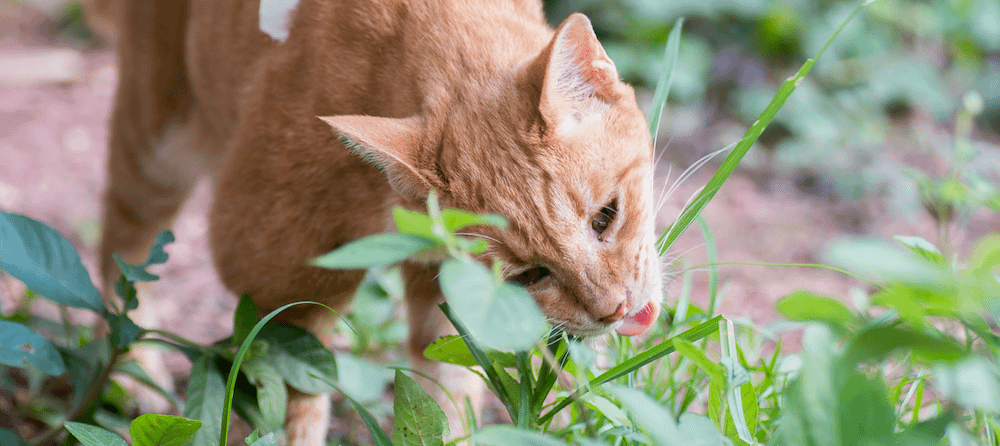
x=52, y=162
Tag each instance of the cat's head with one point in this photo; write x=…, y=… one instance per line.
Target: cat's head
x=557, y=144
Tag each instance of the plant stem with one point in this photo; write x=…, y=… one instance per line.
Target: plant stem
x=93, y=393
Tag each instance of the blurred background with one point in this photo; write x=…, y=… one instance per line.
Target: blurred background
x=895, y=131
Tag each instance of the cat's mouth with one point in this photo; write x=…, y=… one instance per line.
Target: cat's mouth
x=639, y=321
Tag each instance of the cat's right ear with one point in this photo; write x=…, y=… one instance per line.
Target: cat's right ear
x=390, y=144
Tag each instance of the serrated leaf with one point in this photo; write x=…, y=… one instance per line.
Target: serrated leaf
x=502, y=316
x=303, y=362
x=452, y=350
x=18, y=345
x=156, y=253
x=244, y=319
x=372, y=251
x=510, y=435
x=162, y=430
x=205, y=397
x=93, y=435
x=46, y=262
x=419, y=419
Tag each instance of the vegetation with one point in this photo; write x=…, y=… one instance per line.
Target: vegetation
x=912, y=362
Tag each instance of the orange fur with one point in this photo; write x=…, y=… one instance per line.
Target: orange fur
x=478, y=100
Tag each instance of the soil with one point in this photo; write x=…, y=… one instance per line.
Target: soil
x=52, y=163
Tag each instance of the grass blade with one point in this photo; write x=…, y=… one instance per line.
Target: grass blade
x=729, y=164
x=666, y=77
x=634, y=363
x=712, y=256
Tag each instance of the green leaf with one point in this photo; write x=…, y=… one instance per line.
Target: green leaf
x=807, y=306
x=697, y=430
x=455, y=219
x=46, y=262
x=666, y=76
x=267, y=440
x=378, y=435
x=18, y=345
x=93, y=435
x=502, y=316
x=972, y=383
x=272, y=394
x=123, y=330
x=303, y=361
x=131, y=368
x=244, y=319
x=374, y=250
x=419, y=419
x=8, y=437
x=413, y=222
x=452, y=350
x=876, y=343
x=162, y=430
x=649, y=415
x=156, y=253
x=921, y=247
x=138, y=273
x=204, y=402
x=509, y=435
x=881, y=262
x=866, y=416
x=126, y=290
x=363, y=380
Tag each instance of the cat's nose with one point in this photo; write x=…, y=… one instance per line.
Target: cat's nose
x=619, y=313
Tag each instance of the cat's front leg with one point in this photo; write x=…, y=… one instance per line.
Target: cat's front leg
x=427, y=324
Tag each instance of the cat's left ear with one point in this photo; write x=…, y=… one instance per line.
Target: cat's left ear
x=393, y=145
x=580, y=78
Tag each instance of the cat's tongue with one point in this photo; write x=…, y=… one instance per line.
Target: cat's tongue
x=638, y=323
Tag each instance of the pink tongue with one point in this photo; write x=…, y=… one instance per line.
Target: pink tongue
x=638, y=323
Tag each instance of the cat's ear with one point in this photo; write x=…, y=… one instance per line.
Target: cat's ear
x=579, y=77
x=390, y=144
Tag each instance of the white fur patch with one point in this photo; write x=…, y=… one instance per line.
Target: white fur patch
x=275, y=16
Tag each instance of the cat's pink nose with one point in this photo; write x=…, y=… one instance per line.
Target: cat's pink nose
x=618, y=314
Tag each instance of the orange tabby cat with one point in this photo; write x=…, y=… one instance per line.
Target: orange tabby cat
x=478, y=100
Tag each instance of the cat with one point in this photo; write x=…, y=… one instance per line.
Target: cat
x=480, y=101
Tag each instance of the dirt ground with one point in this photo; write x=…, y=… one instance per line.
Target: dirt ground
x=53, y=133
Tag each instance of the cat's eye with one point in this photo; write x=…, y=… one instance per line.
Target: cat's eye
x=604, y=218
x=531, y=276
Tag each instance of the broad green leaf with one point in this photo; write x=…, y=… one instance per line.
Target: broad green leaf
x=46, y=262
x=162, y=430
x=267, y=440
x=697, y=430
x=8, y=437
x=876, y=343
x=456, y=219
x=749, y=138
x=374, y=250
x=509, y=435
x=502, y=316
x=18, y=345
x=972, y=383
x=379, y=436
x=123, y=330
x=866, y=416
x=748, y=399
x=363, y=380
x=303, y=361
x=606, y=408
x=807, y=306
x=204, y=402
x=244, y=319
x=93, y=435
x=452, y=350
x=419, y=419
x=921, y=247
x=413, y=222
x=881, y=262
x=131, y=368
x=650, y=415
x=272, y=394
